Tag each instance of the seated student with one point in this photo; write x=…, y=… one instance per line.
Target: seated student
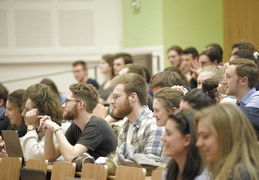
x=218, y=73
x=228, y=143
x=39, y=99
x=165, y=79
x=243, y=45
x=80, y=71
x=14, y=108
x=130, y=68
x=106, y=68
x=87, y=133
x=189, y=55
x=166, y=100
x=179, y=144
x=4, y=122
x=210, y=57
x=216, y=47
x=247, y=54
x=200, y=98
x=174, y=55
x=179, y=72
x=139, y=136
x=241, y=78
x=120, y=60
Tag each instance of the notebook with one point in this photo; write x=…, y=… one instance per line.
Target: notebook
x=12, y=143
x=32, y=174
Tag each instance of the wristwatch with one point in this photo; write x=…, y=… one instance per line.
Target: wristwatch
x=30, y=128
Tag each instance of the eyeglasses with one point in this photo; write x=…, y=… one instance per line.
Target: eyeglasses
x=115, y=97
x=68, y=100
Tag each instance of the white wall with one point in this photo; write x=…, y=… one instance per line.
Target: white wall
x=45, y=36
x=41, y=39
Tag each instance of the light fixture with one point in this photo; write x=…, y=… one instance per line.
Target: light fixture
x=135, y=4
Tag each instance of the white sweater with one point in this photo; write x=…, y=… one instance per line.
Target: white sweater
x=31, y=146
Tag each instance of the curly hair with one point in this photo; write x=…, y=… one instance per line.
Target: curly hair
x=45, y=100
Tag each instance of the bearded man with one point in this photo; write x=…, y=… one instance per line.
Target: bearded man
x=129, y=99
x=87, y=133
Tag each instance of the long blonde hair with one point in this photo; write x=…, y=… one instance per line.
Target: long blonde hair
x=237, y=142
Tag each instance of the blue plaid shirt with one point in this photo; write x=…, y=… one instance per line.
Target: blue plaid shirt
x=146, y=134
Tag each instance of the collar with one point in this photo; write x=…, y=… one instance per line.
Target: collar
x=138, y=121
x=247, y=96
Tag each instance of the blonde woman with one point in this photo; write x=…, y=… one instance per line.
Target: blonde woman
x=166, y=101
x=228, y=143
x=218, y=73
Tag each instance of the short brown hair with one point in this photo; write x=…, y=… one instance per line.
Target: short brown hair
x=165, y=79
x=86, y=93
x=133, y=68
x=169, y=97
x=128, y=59
x=176, y=48
x=80, y=62
x=133, y=83
x=244, y=45
x=246, y=68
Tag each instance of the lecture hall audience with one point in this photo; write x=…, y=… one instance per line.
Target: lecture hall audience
x=191, y=133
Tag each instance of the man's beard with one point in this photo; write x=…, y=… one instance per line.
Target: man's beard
x=71, y=114
x=123, y=111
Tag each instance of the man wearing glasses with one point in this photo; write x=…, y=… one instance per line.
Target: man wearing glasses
x=87, y=133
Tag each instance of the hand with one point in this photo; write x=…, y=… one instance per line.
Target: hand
x=180, y=88
x=183, y=68
x=47, y=124
x=2, y=148
x=1, y=141
x=3, y=153
x=195, y=69
x=31, y=117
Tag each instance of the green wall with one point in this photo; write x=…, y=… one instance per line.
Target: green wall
x=170, y=22
x=142, y=27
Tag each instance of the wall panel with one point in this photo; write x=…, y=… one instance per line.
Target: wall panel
x=240, y=23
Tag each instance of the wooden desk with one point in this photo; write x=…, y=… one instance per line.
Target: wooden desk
x=78, y=174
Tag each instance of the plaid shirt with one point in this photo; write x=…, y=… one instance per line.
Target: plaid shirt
x=146, y=134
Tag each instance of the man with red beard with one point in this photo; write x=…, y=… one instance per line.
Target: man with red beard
x=130, y=97
x=87, y=133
